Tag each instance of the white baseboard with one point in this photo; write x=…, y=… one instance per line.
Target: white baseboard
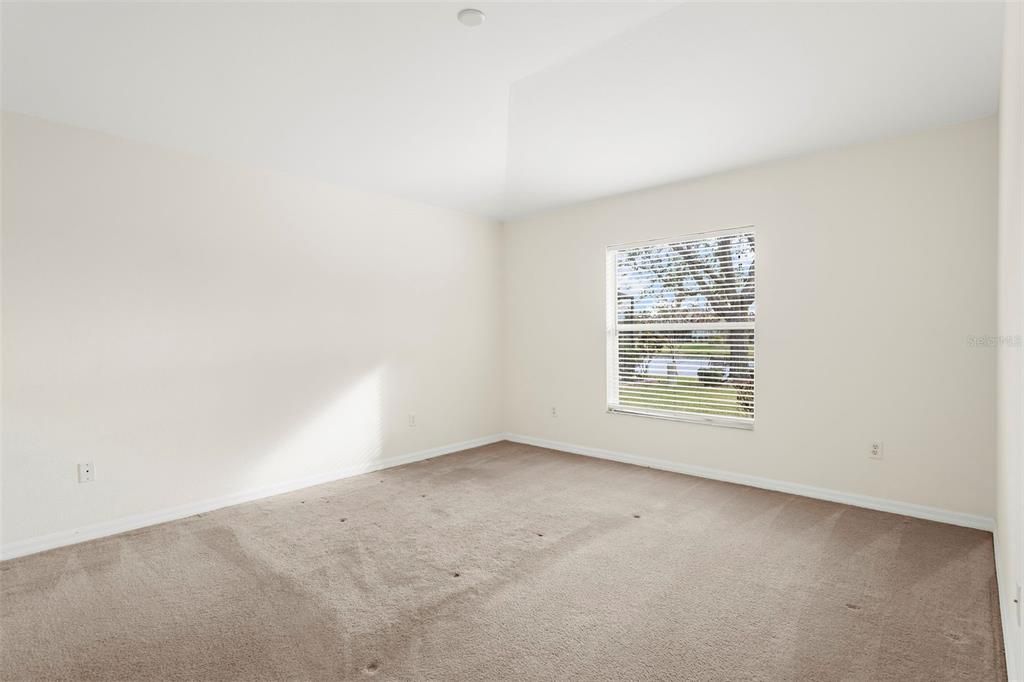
x=99, y=530
x=904, y=508
x=106, y=528
x=1007, y=617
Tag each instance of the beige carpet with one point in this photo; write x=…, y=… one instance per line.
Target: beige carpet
x=513, y=562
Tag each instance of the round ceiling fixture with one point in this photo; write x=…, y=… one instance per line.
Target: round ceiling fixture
x=471, y=17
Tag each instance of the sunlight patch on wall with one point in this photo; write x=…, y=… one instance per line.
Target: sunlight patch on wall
x=345, y=432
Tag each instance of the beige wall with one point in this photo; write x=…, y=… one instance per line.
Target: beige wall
x=197, y=329
x=876, y=263
x=1009, y=529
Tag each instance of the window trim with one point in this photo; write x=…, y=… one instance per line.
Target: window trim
x=612, y=339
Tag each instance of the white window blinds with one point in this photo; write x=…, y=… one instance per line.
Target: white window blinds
x=681, y=328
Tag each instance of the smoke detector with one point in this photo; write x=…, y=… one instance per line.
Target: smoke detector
x=471, y=17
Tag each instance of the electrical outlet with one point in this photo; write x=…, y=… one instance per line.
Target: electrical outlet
x=876, y=450
x=86, y=472
x=554, y=411
x=412, y=419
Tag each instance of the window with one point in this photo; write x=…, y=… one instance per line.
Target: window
x=681, y=328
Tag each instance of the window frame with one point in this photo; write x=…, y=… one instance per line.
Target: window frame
x=612, y=337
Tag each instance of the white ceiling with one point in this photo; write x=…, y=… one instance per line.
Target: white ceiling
x=544, y=105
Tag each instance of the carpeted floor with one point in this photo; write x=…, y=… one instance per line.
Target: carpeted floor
x=513, y=562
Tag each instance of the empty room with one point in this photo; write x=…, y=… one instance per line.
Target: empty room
x=512, y=341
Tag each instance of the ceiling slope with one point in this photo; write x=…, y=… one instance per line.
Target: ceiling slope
x=543, y=105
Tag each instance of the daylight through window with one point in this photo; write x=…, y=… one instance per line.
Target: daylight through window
x=681, y=328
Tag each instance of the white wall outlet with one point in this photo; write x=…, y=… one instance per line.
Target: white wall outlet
x=554, y=411
x=412, y=419
x=86, y=472
x=876, y=450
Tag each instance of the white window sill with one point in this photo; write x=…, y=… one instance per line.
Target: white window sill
x=712, y=420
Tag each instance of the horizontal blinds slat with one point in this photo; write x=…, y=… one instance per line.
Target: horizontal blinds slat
x=683, y=275
x=670, y=403
x=683, y=326
x=692, y=362
x=668, y=412
x=671, y=414
x=709, y=350
x=744, y=359
x=686, y=270
x=687, y=337
x=687, y=329
x=729, y=257
x=695, y=388
x=685, y=348
x=685, y=383
x=688, y=349
x=724, y=398
x=707, y=304
x=718, y=398
x=734, y=264
x=699, y=337
x=712, y=244
x=699, y=409
x=729, y=398
x=652, y=305
x=729, y=264
x=688, y=379
x=681, y=292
